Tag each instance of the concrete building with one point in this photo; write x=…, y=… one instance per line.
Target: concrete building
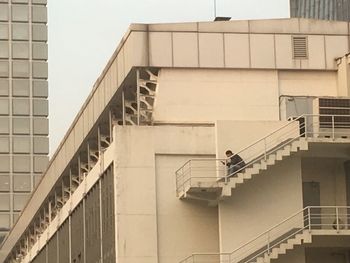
x=139, y=175
x=23, y=104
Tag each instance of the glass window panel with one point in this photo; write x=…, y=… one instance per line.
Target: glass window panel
x=37, y=178
x=4, y=125
x=4, y=202
x=19, y=201
x=4, y=222
x=4, y=182
x=5, y=163
x=15, y=217
x=2, y=236
x=21, y=182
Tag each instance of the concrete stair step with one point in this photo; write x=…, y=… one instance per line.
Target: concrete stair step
x=257, y=166
x=307, y=237
x=288, y=149
x=297, y=240
x=271, y=159
x=291, y=241
x=252, y=170
x=274, y=253
x=282, y=251
x=279, y=155
x=266, y=258
x=239, y=180
x=304, y=146
x=263, y=165
x=286, y=246
x=247, y=176
x=295, y=146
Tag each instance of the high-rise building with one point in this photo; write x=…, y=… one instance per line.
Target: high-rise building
x=23, y=104
x=321, y=9
x=142, y=176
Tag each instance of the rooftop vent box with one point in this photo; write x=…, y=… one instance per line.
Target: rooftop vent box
x=222, y=18
x=334, y=117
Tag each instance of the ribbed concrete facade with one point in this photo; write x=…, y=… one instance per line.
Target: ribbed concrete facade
x=23, y=104
x=321, y=9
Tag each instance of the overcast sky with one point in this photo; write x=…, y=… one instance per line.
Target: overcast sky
x=83, y=35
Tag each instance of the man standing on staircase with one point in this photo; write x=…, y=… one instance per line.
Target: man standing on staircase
x=234, y=163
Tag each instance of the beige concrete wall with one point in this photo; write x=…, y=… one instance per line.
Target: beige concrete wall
x=329, y=255
x=237, y=135
x=329, y=172
x=308, y=83
x=296, y=255
x=180, y=222
x=254, y=207
x=184, y=227
x=153, y=225
x=260, y=204
x=209, y=95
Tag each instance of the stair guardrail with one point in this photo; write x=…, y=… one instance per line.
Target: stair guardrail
x=333, y=219
x=207, y=172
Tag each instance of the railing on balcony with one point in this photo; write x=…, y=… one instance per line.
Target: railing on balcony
x=208, y=172
x=331, y=219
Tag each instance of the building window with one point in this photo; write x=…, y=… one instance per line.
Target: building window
x=4, y=182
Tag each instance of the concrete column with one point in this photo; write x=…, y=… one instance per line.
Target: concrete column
x=136, y=218
x=343, y=77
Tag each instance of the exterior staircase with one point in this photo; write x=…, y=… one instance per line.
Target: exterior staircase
x=267, y=256
x=256, y=166
x=296, y=230
x=208, y=179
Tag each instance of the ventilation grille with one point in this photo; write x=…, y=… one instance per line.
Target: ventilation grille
x=336, y=107
x=299, y=47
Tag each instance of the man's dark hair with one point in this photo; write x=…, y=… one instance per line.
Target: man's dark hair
x=228, y=152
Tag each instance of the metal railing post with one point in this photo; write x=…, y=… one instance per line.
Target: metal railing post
x=333, y=126
x=309, y=218
x=183, y=179
x=190, y=172
x=265, y=153
x=337, y=217
x=268, y=243
x=227, y=172
x=305, y=125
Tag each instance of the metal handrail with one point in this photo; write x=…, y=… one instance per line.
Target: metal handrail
x=269, y=149
x=257, y=141
x=307, y=218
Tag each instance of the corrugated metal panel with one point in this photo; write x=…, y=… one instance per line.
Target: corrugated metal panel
x=41, y=257
x=52, y=250
x=63, y=242
x=320, y=9
x=108, y=220
x=77, y=226
x=92, y=225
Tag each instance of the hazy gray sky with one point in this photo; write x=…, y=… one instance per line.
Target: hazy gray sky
x=83, y=34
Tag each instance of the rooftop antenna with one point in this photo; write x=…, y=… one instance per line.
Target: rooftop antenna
x=214, y=9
